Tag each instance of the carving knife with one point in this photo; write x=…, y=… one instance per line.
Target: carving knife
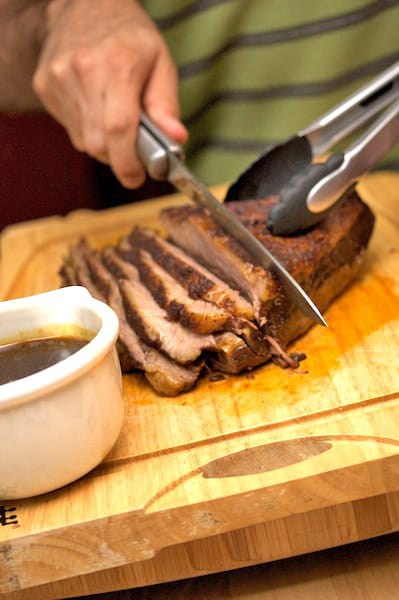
x=163, y=159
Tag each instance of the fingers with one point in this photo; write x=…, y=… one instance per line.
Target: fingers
x=90, y=88
x=125, y=81
x=133, y=85
x=65, y=83
x=49, y=84
x=160, y=99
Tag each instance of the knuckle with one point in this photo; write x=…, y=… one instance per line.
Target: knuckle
x=118, y=121
x=55, y=72
x=83, y=61
x=58, y=70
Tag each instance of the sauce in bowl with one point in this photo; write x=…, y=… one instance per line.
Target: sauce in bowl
x=22, y=358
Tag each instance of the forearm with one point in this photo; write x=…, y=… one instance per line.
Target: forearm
x=22, y=26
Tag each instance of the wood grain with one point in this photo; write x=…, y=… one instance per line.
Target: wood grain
x=243, y=452
x=363, y=571
x=261, y=543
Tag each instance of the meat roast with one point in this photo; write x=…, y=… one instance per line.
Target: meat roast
x=191, y=298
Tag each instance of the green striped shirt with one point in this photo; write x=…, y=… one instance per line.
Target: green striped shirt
x=253, y=72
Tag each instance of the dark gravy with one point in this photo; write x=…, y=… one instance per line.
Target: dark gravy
x=20, y=359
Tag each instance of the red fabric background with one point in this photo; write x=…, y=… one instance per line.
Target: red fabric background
x=41, y=173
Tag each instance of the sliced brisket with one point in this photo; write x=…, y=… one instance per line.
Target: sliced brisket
x=75, y=270
x=196, y=314
x=197, y=280
x=165, y=375
x=84, y=262
x=199, y=315
x=150, y=320
x=169, y=304
x=195, y=231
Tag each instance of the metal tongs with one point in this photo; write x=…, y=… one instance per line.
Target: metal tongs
x=308, y=189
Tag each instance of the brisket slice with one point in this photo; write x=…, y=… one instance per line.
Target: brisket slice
x=194, y=230
x=199, y=282
x=75, y=271
x=199, y=315
x=68, y=273
x=83, y=261
x=167, y=377
x=196, y=314
x=150, y=320
x=243, y=333
x=235, y=355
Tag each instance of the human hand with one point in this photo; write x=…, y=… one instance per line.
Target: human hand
x=103, y=63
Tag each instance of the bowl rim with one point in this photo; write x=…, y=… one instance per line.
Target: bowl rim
x=41, y=383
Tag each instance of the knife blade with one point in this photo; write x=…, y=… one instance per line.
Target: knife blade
x=163, y=159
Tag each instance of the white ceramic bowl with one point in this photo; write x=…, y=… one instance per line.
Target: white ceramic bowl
x=59, y=423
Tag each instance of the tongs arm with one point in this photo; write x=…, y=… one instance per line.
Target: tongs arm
x=316, y=187
x=353, y=112
x=359, y=158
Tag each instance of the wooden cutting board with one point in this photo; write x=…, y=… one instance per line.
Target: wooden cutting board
x=271, y=446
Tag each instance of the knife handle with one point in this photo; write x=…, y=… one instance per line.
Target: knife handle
x=153, y=147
